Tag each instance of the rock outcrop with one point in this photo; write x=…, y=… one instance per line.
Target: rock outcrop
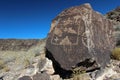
x=114, y=15
x=80, y=37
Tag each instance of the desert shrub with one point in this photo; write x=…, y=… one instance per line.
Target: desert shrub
x=77, y=72
x=116, y=53
x=6, y=69
x=9, y=56
x=2, y=64
x=26, y=63
x=81, y=77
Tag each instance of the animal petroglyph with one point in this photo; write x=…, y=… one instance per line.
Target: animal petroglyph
x=58, y=34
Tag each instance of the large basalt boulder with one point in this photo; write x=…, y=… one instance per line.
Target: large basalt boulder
x=80, y=37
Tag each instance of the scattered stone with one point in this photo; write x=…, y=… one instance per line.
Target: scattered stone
x=48, y=67
x=25, y=78
x=41, y=76
x=1, y=78
x=113, y=77
x=55, y=77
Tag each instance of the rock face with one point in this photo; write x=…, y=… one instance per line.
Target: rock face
x=80, y=37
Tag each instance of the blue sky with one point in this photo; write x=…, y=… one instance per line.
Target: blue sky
x=29, y=19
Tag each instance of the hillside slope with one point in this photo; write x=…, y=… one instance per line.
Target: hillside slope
x=114, y=15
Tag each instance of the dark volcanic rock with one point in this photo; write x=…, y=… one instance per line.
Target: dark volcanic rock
x=41, y=76
x=80, y=37
x=25, y=78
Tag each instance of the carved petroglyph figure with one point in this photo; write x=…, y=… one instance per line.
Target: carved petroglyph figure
x=58, y=32
x=65, y=41
x=70, y=30
x=87, y=18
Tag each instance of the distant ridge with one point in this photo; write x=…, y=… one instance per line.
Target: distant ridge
x=18, y=44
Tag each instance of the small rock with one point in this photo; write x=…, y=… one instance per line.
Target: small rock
x=41, y=76
x=55, y=77
x=116, y=76
x=25, y=78
x=117, y=79
x=48, y=67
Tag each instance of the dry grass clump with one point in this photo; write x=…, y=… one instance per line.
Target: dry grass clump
x=3, y=66
x=17, y=61
x=20, y=59
x=81, y=77
x=116, y=53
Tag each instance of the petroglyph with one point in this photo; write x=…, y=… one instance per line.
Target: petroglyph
x=84, y=39
x=87, y=18
x=80, y=33
x=58, y=32
x=77, y=17
x=67, y=22
x=65, y=41
x=70, y=30
x=56, y=39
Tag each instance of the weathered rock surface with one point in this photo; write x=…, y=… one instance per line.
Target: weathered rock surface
x=55, y=77
x=41, y=76
x=25, y=78
x=79, y=36
x=47, y=67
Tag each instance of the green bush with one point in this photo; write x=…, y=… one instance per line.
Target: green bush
x=116, y=53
